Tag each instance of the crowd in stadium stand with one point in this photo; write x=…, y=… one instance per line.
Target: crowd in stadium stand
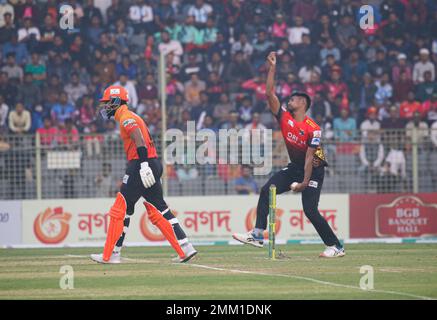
x=51, y=78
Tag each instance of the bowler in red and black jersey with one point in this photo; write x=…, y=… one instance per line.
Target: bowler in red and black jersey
x=304, y=173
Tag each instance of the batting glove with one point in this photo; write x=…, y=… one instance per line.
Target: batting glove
x=147, y=175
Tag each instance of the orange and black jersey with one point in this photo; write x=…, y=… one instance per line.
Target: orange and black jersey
x=128, y=122
x=298, y=136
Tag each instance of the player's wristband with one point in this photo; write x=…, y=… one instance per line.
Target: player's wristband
x=142, y=153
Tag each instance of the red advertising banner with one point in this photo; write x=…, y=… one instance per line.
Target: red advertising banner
x=393, y=215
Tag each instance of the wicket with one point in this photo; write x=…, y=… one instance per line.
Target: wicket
x=272, y=221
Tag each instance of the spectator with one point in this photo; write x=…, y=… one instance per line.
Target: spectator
x=187, y=172
x=62, y=110
x=296, y=32
x=306, y=9
x=401, y=66
x=93, y=141
x=216, y=64
x=337, y=89
x=200, y=11
x=7, y=27
x=192, y=66
x=324, y=30
x=409, y=106
x=245, y=184
x=320, y=107
x=175, y=110
x=68, y=135
x=427, y=88
x=366, y=95
x=37, y=69
x=223, y=109
x=242, y=45
x=393, y=121
x=47, y=133
x=193, y=89
x=19, y=48
x=434, y=135
x=13, y=70
x=393, y=172
x=75, y=89
x=345, y=127
x=215, y=87
x=87, y=113
x=6, y=9
x=238, y=71
x=232, y=122
x=141, y=16
x=371, y=157
x=20, y=120
x=130, y=88
x=354, y=67
x=421, y=127
x=148, y=90
x=384, y=90
x=402, y=87
x=4, y=109
x=29, y=34
x=104, y=182
x=168, y=45
x=245, y=110
x=345, y=30
x=329, y=49
x=7, y=89
x=28, y=92
x=287, y=64
x=279, y=28
x=126, y=67
x=429, y=108
x=380, y=66
x=261, y=47
x=370, y=124
x=423, y=65
x=105, y=70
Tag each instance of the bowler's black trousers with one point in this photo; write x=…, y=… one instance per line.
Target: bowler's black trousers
x=310, y=199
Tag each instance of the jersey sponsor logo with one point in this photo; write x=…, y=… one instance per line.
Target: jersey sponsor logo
x=301, y=132
x=128, y=122
x=313, y=184
x=125, y=179
x=291, y=123
x=315, y=141
x=317, y=134
x=114, y=91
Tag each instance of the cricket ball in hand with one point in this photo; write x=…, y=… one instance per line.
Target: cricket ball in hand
x=294, y=185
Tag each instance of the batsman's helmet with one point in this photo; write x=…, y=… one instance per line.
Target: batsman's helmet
x=113, y=98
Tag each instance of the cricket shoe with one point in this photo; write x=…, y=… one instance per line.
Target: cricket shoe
x=332, y=252
x=114, y=259
x=189, y=251
x=249, y=238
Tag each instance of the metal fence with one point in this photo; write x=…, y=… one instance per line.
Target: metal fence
x=84, y=166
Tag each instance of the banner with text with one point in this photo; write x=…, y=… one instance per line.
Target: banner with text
x=205, y=219
x=393, y=215
x=10, y=223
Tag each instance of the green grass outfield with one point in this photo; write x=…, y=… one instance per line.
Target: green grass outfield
x=401, y=271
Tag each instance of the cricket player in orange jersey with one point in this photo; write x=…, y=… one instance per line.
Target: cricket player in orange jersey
x=142, y=179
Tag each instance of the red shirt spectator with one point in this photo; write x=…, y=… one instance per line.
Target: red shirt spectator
x=429, y=105
x=409, y=106
x=67, y=133
x=47, y=132
x=257, y=85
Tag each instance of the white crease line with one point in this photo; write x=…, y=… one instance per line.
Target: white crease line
x=310, y=279
x=123, y=259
